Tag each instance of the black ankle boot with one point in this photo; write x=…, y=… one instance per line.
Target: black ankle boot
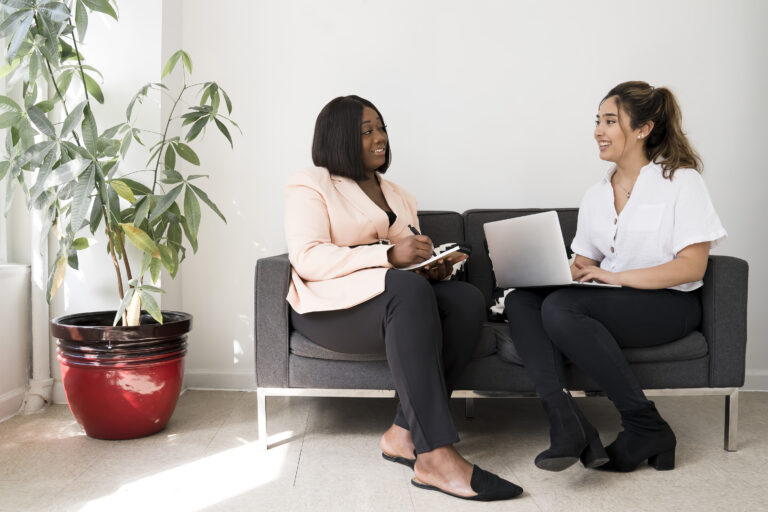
x=571, y=436
x=645, y=436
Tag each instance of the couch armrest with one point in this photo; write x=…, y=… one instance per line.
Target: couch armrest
x=271, y=321
x=724, y=319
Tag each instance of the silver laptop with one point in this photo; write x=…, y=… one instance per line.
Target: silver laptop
x=529, y=251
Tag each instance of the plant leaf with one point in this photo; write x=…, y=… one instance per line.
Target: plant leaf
x=66, y=172
x=93, y=87
x=136, y=187
x=223, y=129
x=186, y=153
x=7, y=104
x=123, y=190
x=170, y=158
x=81, y=20
x=56, y=276
x=124, y=304
x=82, y=243
x=151, y=306
x=140, y=239
x=207, y=201
x=90, y=131
x=100, y=6
x=164, y=202
x=40, y=121
x=196, y=128
x=155, y=266
x=19, y=36
x=227, y=101
x=192, y=237
x=150, y=288
x=81, y=200
x=171, y=63
x=192, y=211
x=57, y=12
x=73, y=119
x=142, y=209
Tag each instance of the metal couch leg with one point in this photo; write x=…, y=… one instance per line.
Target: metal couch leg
x=469, y=408
x=731, y=421
x=261, y=410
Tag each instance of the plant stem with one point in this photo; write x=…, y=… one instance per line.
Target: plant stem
x=165, y=134
x=115, y=262
x=125, y=255
x=80, y=66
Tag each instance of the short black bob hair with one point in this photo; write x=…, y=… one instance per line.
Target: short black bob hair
x=338, y=144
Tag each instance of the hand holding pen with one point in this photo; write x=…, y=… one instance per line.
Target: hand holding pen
x=411, y=250
x=416, y=232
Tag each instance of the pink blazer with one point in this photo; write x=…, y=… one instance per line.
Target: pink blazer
x=325, y=216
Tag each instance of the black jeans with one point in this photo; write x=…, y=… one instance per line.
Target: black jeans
x=428, y=330
x=589, y=327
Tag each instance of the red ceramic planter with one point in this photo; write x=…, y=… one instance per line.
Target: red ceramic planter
x=121, y=382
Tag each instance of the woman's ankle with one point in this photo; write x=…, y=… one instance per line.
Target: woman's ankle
x=397, y=441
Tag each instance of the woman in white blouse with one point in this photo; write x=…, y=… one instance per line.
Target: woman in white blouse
x=647, y=226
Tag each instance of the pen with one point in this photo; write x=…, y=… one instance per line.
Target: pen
x=416, y=232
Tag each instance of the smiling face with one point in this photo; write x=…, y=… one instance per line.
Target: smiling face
x=373, y=134
x=616, y=140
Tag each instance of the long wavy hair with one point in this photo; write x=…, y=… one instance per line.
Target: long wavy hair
x=666, y=144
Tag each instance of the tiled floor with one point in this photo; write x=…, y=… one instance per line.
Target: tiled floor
x=208, y=459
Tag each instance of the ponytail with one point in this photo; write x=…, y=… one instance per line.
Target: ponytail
x=666, y=144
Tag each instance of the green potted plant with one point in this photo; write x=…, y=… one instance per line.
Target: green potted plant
x=122, y=369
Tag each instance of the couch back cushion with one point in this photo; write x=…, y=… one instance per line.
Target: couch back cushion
x=442, y=226
x=479, y=270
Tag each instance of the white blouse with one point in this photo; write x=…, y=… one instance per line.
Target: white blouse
x=661, y=218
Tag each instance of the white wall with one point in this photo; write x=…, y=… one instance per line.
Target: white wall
x=489, y=104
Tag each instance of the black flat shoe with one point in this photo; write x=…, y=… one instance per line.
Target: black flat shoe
x=489, y=487
x=400, y=460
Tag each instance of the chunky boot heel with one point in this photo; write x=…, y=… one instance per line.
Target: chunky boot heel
x=594, y=455
x=663, y=461
x=571, y=436
x=645, y=436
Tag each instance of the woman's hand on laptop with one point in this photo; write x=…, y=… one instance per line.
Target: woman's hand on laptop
x=585, y=273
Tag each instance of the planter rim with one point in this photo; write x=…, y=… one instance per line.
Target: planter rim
x=97, y=326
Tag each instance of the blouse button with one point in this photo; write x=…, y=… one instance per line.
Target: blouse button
x=615, y=221
x=612, y=249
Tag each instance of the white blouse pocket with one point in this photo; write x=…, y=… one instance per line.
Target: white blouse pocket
x=647, y=217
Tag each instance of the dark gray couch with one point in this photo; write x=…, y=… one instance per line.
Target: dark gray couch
x=707, y=362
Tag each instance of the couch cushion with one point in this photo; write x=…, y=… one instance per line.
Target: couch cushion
x=301, y=346
x=689, y=347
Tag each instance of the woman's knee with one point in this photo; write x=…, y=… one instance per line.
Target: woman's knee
x=521, y=303
x=560, y=310
x=461, y=297
x=408, y=287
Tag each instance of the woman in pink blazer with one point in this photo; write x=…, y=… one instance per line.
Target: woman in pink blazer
x=348, y=232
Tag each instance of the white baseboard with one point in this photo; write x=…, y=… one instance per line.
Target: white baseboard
x=756, y=380
x=207, y=379
x=10, y=402
x=59, y=397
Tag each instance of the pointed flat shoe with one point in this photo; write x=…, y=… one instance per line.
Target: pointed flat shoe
x=400, y=460
x=489, y=487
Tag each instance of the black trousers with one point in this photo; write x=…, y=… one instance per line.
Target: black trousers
x=428, y=330
x=589, y=327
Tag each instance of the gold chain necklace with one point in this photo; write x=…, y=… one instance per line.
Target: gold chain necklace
x=624, y=189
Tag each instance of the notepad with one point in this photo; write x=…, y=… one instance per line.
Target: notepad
x=453, y=254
